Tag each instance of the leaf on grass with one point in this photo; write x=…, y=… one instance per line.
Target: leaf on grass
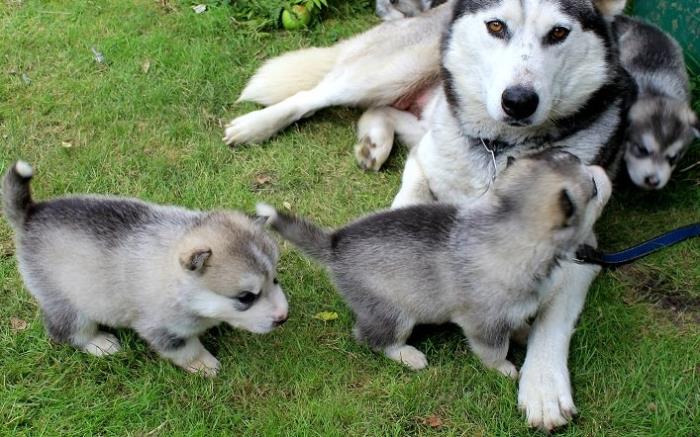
x=198, y=9
x=262, y=179
x=17, y=324
x=287, y=206
x=433, y=421
x=326, y=316
x=146, y=66
x=66, y=144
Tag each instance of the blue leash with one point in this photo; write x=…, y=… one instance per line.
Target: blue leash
x=589, y=255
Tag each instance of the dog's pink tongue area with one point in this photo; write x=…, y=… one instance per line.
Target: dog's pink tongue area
x=415, y=101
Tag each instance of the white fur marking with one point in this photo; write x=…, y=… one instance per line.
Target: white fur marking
x=266, y=211
x=24, y=169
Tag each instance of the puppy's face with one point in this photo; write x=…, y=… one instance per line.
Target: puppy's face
x=557, y=196
x=241, y=266
x=659, y=133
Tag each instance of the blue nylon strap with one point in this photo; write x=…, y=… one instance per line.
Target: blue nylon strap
x=589, y=255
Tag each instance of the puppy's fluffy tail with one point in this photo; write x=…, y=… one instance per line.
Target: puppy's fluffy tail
x=311, y=239
x=16, y=195
x=286, y=75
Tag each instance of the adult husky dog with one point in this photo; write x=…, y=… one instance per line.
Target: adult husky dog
x=507, y=77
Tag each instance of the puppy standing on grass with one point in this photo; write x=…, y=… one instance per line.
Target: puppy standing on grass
x=168, y=273
x=479, y=266
x=661, y=123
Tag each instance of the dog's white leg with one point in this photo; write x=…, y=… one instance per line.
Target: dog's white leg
x=414, y=185
x=375, y=133
x=408, y=127
x=258, y=126
x=545, y=391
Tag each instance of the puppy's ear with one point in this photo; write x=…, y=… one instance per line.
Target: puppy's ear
x=194, y=260
x=610, y=8
x=567, y=206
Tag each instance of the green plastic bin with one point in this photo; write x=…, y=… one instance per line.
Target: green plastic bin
x=680, y=18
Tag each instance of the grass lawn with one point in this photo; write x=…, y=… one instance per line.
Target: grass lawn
x=149, y=124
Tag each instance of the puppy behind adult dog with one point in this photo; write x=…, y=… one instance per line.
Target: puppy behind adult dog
x=168, y=273
x=477, y=265
x=396, y=9
x=661, y=122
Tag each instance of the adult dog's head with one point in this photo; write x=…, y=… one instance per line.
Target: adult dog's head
x=526, y=62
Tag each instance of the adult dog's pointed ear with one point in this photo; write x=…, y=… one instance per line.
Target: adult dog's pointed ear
x=610, y=8
x=194, y=260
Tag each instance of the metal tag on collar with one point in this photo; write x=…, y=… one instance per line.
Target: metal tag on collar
x=493, y=158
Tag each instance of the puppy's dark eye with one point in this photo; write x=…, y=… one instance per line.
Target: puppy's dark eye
x=247, y=297
x=640, y=151
x=595, y=189
x=496, y=28
x=672, y=159
x=275, y=281
x=557, y=34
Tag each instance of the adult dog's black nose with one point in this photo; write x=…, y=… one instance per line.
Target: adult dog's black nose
x=519, y=102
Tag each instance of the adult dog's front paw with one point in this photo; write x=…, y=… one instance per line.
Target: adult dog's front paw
x=371, y=154
x=545, y=396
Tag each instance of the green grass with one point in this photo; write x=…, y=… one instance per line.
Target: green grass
x=157, y=135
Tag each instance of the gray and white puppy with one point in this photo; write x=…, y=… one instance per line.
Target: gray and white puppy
x=396, y=9
x=167, y=272
x=661, y=122
x=478, y=265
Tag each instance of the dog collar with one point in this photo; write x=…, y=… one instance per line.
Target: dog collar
x=589, y=255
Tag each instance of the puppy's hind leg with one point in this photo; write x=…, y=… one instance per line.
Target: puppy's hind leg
x=187, y=353
x=492, y=348
x=388, y=334
x=65, y=324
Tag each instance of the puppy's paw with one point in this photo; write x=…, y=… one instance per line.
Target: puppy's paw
x=407, y=355
x=545, y=396
x=508, y=369
x=372, y=153
x=102, y=344
x=205, y=364
x=254, y=127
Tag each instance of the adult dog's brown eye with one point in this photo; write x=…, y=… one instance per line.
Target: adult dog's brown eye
x=558, y=34
x=495, y=27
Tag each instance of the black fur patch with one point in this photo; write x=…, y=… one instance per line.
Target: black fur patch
x=109, y=220
x=163, y=339
x=660, y=52
x=430, y=224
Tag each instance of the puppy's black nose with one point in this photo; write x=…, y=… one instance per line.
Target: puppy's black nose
x=280, y=322
x=519, y=102
x=652, y=181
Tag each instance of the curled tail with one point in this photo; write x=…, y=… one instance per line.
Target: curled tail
x=16, y=196
x=311, y=239
x=286, y=75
